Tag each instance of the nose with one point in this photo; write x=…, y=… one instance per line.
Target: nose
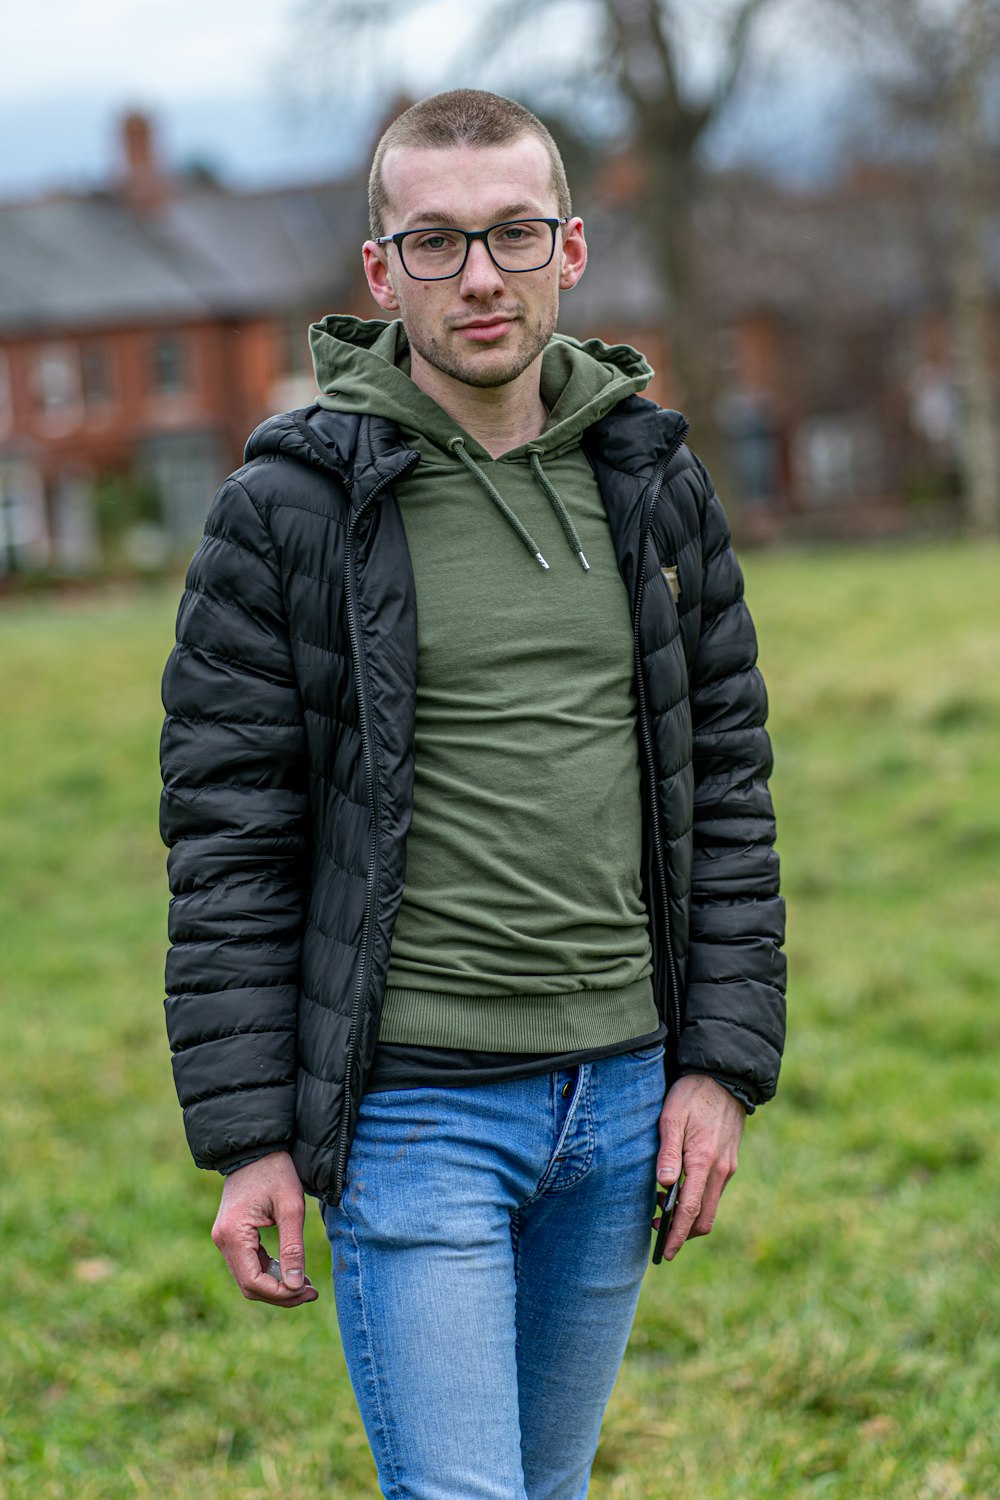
x=480, y=277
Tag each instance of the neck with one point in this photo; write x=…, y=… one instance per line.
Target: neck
x=498, y=417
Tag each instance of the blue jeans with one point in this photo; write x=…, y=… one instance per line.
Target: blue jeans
x=487, y=1257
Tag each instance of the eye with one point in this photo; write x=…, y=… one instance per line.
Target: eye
x=516, y=234
x=433, y=241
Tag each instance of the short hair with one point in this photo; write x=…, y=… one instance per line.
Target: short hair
x=462, y=117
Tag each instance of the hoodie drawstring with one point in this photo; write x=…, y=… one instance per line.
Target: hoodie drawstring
x=457, y=446
x=555, y=500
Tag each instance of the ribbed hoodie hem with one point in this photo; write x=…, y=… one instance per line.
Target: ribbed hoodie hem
x=567, y=1022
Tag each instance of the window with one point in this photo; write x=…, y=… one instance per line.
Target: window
x=57, y=379
x=294, y=342
x=97, y=375
x=839, y=458
x=294, y=383
x=185, y=469
x=24, y=542
x=6, y=402
x=169, y=365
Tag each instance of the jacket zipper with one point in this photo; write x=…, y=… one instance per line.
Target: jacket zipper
x=655, y=486
x=375, y=803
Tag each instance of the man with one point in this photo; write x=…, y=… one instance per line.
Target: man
x=465, y=787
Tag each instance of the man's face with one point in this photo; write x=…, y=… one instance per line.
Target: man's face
x=484, y=327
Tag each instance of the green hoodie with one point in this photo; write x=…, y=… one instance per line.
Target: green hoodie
x=523, y=882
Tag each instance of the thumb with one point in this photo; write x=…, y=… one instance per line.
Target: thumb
x=669, y=1159
x=290, y=1217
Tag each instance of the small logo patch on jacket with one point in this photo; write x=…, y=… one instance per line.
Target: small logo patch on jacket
x=673, y=582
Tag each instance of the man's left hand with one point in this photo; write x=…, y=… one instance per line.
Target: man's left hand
x=701, y=1125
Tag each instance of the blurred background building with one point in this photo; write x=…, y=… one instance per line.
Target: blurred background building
x=832, y=337
x=144, y=331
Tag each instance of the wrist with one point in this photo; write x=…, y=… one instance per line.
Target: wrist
x=730, y=1085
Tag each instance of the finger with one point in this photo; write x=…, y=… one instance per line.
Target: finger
x=276, y=1294
x=248, y=1264
x=714, y=1188
x=273, y=1270
x=268, y=1285
x=239, y=1243
x=291, y=1250
x=688, y=1208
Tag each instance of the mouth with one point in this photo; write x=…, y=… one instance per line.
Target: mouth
x=486, y=330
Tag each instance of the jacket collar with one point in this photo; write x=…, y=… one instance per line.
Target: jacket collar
x=634, y=437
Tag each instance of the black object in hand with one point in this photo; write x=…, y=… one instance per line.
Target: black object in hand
x=666, y=1219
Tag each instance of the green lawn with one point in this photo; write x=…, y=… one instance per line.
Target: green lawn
x=838, y=1336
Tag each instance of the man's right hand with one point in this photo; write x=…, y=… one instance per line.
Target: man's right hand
x=265, y=1192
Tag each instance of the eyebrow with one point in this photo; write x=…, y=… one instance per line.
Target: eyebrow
x=434, y=218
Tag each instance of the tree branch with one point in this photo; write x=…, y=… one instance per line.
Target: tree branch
x=635, y=27
x=736, y=52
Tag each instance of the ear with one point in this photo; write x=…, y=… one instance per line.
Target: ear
x=573, y=256
x=377, y=276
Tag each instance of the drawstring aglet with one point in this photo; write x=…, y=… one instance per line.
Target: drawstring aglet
x=540, y=560
x=584, y=563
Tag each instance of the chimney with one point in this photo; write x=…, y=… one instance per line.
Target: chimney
x=143, y=184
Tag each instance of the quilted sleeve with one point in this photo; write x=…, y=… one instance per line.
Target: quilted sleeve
x=734, y=1017
x=233, y=814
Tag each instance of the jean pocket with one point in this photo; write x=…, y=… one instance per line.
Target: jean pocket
x=648, y=1054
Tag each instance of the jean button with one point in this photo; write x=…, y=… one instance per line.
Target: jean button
x=567, y=1088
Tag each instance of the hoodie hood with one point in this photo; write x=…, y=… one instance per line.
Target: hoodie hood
x=364, y=366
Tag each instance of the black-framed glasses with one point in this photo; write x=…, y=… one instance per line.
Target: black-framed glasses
x=438, y=254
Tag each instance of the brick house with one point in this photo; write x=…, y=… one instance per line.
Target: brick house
x=144, y=331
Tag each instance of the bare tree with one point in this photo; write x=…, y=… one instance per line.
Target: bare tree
x=668, y=127
x=641, y=69
x=934, y=67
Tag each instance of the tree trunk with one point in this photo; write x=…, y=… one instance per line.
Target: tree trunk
x=980, y=448
x=668, y=208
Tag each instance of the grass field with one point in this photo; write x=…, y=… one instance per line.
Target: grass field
x=838, y=1336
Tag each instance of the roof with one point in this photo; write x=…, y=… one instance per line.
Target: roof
x=95, y=262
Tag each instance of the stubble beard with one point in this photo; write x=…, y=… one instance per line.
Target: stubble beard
x=486, y=376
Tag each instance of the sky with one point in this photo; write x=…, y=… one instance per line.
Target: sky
x=227, y=85
x=214, y=74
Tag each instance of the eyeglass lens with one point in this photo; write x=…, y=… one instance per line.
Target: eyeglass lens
x=429, y=254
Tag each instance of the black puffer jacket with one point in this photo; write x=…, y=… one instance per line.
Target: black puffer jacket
x=287, y=759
